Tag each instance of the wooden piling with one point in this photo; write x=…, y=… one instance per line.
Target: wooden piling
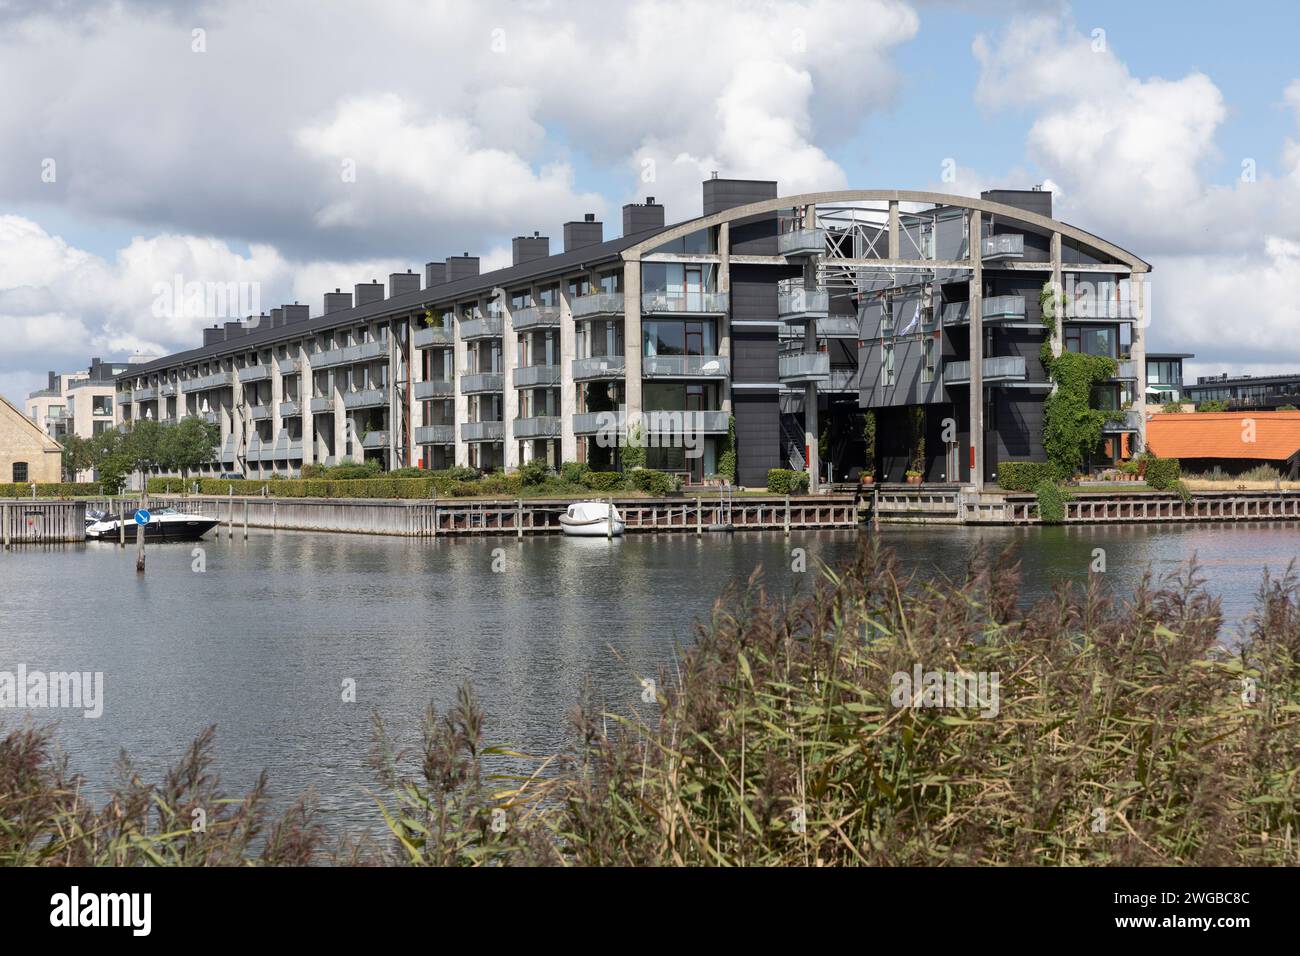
x=139, y=536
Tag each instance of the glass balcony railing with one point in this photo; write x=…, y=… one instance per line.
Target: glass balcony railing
x=205, y=382
x=482, y=431
x=805, y=367
x=597, y=304
x=1004, y=246
x=365, y=398
x=472, y=383
x=485, y=328
x=538, y=426
x=434, y=388
x=684, y=303
x=535, y=317
x=599, y=367
x=1000, y=368
x=801, y=242
x=433, y=336
x=375, y=439
x=289, y=409
x=259, y=413
x=350, y=354
x=685, y=366
x=255, y=373
x=322, y=403
x=800, y=304
x=436, y=435
x=536, y=376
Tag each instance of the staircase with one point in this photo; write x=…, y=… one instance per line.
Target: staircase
x=792, y=441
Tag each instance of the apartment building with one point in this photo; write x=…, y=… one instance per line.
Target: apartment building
x=77, y=403
x=775, y=313
x=1246, y=391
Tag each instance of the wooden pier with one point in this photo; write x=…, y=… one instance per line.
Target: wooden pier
x=41, y=521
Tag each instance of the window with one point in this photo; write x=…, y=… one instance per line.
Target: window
x=887, y=366
x=928, y=374
x=20, y=471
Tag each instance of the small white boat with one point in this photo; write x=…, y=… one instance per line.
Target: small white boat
x=166, y=524
x=591, y=519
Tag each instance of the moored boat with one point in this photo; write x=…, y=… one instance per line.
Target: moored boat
x=591, y=519
x=166, y=524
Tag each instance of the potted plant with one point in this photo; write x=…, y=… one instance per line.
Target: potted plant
x=913, y=476
x=869, y=447
x=868, y=476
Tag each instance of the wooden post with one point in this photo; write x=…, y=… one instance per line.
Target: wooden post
x=4, y=518
x=245, y=519
x=121, y=525
x=519, y=518
x=139, y=536
x=699, y=517
x=609, y=519
x=230, y=514
x=787, y=516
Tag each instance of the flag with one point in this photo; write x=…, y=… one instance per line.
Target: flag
x=916, y=317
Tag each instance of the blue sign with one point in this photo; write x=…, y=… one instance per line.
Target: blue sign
x=142, y=517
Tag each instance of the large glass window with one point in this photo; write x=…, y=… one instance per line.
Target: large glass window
x=887, y=366
x=678, y=337
x=1092, y=340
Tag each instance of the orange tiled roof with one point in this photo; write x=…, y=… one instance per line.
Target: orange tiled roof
x=1269, y=436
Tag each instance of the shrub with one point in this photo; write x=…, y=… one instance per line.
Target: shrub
x=53, y=489
x=534, y=472
x=1025, y=475
x=1051, y=502
x=347, y=469
x=1162, y=474
x=1212, y=405
x=653, y=483
x=784, y=481
x=603, y=480
x=727, y=460
x=572, y=471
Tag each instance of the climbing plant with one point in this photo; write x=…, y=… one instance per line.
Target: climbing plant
x=727, y=460
x=869, y=441
x=916, y=439
x=1071, y=426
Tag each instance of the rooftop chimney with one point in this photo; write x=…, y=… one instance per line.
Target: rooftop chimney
x=435, y=273
x=720, y=194
x=400, y=283
x=337, y=301
x=295, y=313
x=585, y=233
x=1037, y=200
x=639, y=218
x=367, y=292
x=234, y=330
x=214, y=335
x=461, y=267
x=527, y=248
x=277, y=319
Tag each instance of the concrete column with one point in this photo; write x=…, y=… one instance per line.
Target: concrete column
x=1140, y=291
x=976, y=352
x=341, y=418
x=460, y=362
x=418, y=357
x=304, y=406
x=1057, y=285
x=509, y=394
x=632, y=337
x=894, y=242
x=724, y=325
x=277, y=396
x=811, y=429
x=568, y=389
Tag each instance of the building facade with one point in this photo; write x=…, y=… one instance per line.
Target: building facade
x=27, y=453
x=1246, y=391
x=77, y=403
x=783, y=316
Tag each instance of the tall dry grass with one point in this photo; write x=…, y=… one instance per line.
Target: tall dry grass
x=1126, y=734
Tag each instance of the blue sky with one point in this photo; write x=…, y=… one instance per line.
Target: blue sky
x=472, y=122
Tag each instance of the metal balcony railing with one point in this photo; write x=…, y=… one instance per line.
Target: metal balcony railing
x=434, y=388
x=254, y=373
x=994, y=308
x=838, y=327
x=435, y=435
x=432, y=336
x=535, y=376
x=472, y=383
x=999, y=368
x=259, y=413
x=205, y=382
x=684, y=303
x=685, y=366
x=1132, y=422
x=482, y=431
x=800, y=304
x=485, y=328
x=145, y=394
x=1008, y=245
x=538, y=426
x=599, y=367
x=805, y=367
x=322, y=403
x=801, y=242
x=289, y=409
x=589, y=423
x=365, y=398
x=350, y=354
x=1102, y=308
x=597, y=304
x=1126, y=370
x=167, y=389
x=290, y=366
x=535, y=317
x=375, y=439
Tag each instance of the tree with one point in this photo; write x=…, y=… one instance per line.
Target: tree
x=78, y=455
x=188, y=444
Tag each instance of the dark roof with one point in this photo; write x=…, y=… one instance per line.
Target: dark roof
x=1170, y=355
x=447, y=293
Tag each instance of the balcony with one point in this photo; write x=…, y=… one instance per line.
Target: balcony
x=540, y=426
x=597, y=305
x=805, y=367
x=350, y=354
x=801, y=305
x=436, y=435
x=433, y=336
x=474, y=383
x=536, y=376
x=434, y=388
x=259, y=413
x=323, y=403
x=1002, y=247
x=684, y=303
x=167, y=389
x=375, y=439
x=205, y=382
x=365, y=398
x=844, y=378
x=228, y=451
x=255, y=373
x=1126, y=370
x=685, y=366
x=994, y=308
x=1105, y=309
x=657, y=422
x=486, y=328
x=1131, y=422
x=535, y=317
x=286, y=447
x=210, y=417
x=290, y=409
x=801, y=242
x=1000, y=368
x=589, y=423
x=838, y=327
x=145, y=394
x=482, y=431
x=290, y=366
x=599, y=367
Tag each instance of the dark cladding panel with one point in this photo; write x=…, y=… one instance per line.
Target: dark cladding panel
x=720, y=194
x=758, y=436
x=400, y=283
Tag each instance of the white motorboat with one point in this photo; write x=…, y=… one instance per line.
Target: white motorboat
x=166, y=524
x=591, y=519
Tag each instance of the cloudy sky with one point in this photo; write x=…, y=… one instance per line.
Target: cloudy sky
x=308, y=145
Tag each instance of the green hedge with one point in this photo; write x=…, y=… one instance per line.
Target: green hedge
x=1162, y=474
x=783, y=481
x=51, y=489
x=603, y=480
x=653, y=483
x=1025, y=475
x=306, y=487
x=1051, y=502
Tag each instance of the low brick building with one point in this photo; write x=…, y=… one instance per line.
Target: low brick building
x=26, y=452
x=1230, y=441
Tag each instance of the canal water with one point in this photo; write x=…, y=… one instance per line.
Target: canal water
x=262, y=640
